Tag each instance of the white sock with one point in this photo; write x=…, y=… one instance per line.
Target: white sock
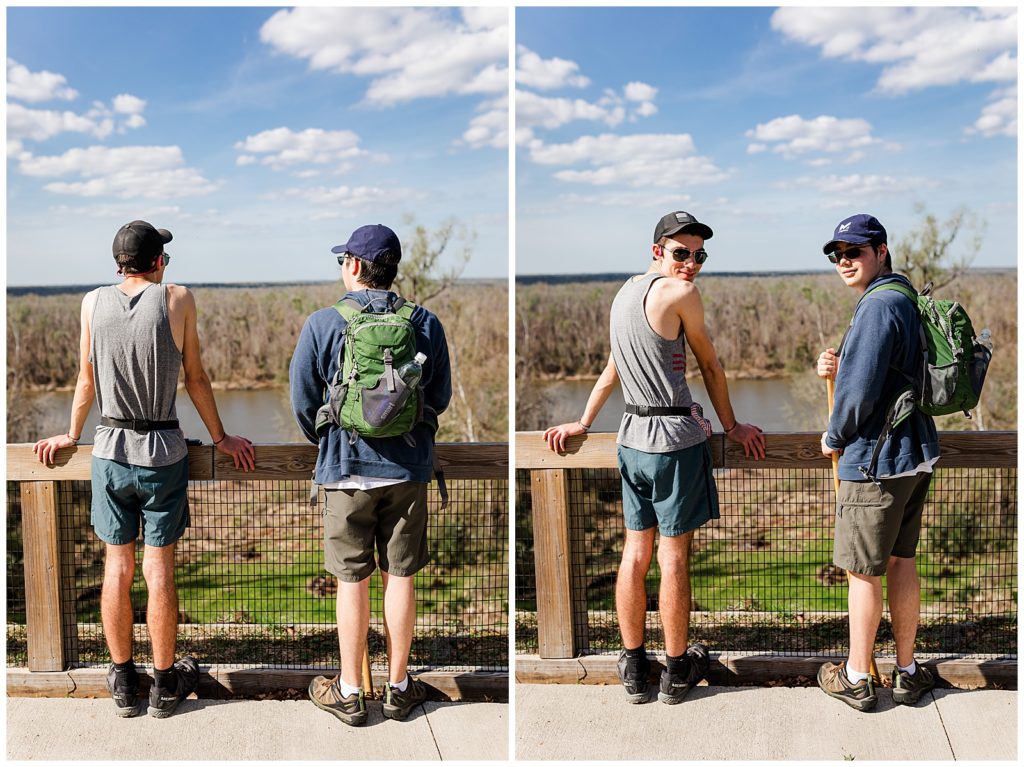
x=347, y=689
x=401, y=686
x=855, y=676
x=911, y=669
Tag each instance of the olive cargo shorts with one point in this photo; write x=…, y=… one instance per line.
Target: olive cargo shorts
x=875, y=522
x=392, y=519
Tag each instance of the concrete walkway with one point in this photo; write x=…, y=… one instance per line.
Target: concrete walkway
x=730, y=723
x=86, y=729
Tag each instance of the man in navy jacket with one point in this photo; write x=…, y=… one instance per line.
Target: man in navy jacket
x=878, y=516
x=376, y=488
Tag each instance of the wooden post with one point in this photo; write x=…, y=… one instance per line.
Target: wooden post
x=552, y=552
x=69, y=603
x=43, y=606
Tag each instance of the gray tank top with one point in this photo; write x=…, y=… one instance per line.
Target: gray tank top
x=652, y=372
x=135, y=366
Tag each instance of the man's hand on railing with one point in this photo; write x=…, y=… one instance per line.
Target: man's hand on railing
x=556, y=436
x=751, y=437
x=46, y=449
x=240, y=449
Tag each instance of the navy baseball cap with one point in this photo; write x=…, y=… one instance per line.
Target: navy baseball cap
x=681, y=221
x=373, y=242
x=857, y=230
x=140, y=239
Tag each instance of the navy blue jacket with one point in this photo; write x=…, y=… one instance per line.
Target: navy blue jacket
x=313, y=365
x=883, y=340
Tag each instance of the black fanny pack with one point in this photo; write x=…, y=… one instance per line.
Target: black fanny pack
x=138, y=424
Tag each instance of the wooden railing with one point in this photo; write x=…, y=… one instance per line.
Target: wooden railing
x=50, y=610
x=557, y=604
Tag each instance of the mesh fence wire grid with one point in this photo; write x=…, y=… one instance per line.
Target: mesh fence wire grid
x=762, y=576
x=252, y=587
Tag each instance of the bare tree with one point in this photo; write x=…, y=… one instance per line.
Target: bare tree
x=927, y=253
x=420, y=276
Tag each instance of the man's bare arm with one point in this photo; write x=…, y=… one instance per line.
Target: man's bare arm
x=691, y=312
x=555, y=436
x=85, y=391
x=197, y=384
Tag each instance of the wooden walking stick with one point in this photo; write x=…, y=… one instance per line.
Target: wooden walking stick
x=830, y=389
x=367, y=676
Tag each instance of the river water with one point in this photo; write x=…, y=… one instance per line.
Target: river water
x=768, y=403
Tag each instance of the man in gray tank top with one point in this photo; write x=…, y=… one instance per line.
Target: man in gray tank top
x=663, y=453
x=136, y=337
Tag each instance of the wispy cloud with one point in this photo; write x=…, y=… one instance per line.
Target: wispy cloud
x=281, y=148
x=490, y=127
x=999, y=116
x=338, y=201
x=660, y=160
x=793, y=136
x=842, y=191
x=149, y=172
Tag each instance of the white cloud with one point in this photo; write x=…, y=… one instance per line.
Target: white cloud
x=999, y=117
x=919, y=47
x=42, y=124
x=282, y=147
x=535, y=111
x=123, y=172
x=491, y=127
x=127, y=104
x=659, y=160
x=532, y=71
x=410, y=53
x=335, y=202
x=35, y=87
x=841, y=191
x=792, y=136
x=637, y=91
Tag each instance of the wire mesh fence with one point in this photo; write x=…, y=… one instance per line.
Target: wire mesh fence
x=252, y=586
x=762, y=575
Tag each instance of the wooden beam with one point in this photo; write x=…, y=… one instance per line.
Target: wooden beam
x=43, y=600
x=800, y=450
x=552, y=554
x=478, y=460
x=228, y=682
x=745, y=668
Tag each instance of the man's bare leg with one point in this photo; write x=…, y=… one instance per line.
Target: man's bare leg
x=865, y=605
x=904, y=593
x=162, y=608
x=674, y=594
x=353, y=612
x=630, y=590
x=116, y=600
x=399, y=620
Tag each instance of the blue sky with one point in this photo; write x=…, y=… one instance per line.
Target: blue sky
x=260, y=137
x=769, y=124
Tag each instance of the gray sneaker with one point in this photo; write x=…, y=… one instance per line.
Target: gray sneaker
x=673, y=689
x=126, y=697
x=633, y=675
x=398, y=704
x=907, y=688
x=326, y=695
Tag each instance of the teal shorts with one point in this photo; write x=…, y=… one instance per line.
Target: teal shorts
x=674, y=491
x=123, y=495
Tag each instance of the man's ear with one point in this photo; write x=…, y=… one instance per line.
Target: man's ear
x=659, y=252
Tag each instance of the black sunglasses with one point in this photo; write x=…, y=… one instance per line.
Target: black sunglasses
x=681, y=254
x=343, y=257
x=167, y=257
x=850, y=253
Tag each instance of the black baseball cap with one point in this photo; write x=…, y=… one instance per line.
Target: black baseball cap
x=373, y=242
x=858, y=229
x=140, y=239
x=681, y=221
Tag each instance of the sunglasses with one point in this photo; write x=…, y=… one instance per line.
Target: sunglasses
x=681, y=254
x=343, y=257
x=167, y=257
x=850, y=253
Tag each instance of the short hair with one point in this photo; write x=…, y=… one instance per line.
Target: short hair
x=376, y=275
x=132, y=263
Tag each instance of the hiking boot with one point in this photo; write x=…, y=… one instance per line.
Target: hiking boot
x=126, y=697
x=908, y=688
x=163, y=700
x=633, y=675
x=674, y=688
x=326, y=694
x=398, y=704
x=833, y=680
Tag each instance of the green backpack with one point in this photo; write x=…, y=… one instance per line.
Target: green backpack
x=952, y=368
x=367, y=395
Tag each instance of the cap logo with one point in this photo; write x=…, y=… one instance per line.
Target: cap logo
x=682, y=218
x=844, y=227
